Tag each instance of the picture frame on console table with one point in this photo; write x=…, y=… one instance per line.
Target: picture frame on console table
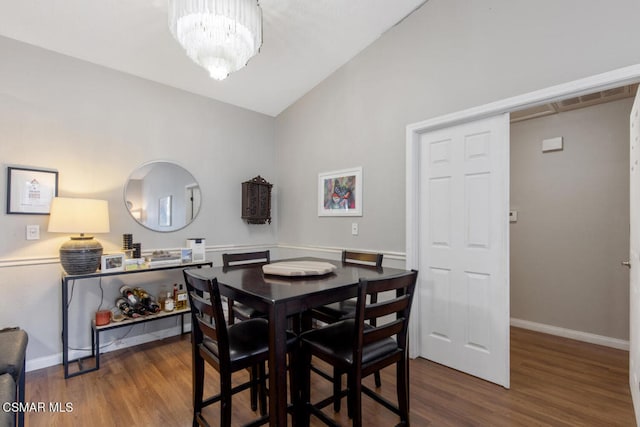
x=112, y=262
x=30, y=190
x=186, y=255
x=198, y=249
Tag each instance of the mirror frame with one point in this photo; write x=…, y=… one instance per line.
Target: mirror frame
x=166, y=201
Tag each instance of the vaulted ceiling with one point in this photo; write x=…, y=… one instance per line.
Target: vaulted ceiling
x=304, y=42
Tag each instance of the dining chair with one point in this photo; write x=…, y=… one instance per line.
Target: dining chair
x=239, y=310
x=331, y=313
x=227, y=348
x=341, y=310
x=358, y=347
x=236, y=309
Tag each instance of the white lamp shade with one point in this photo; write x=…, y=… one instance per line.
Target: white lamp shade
x=70, y=215
x=80, y=255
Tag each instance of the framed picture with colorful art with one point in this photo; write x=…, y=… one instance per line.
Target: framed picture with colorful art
x=340, y=192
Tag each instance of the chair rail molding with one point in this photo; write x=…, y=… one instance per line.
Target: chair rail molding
x=398, y=258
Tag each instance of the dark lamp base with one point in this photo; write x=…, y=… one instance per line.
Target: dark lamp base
x=81, y=255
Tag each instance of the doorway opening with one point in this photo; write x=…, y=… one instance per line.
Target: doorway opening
x=569, y=201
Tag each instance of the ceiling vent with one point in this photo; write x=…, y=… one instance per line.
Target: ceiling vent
x=575, y=103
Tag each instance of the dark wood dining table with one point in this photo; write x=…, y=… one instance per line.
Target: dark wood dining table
x=282, y=297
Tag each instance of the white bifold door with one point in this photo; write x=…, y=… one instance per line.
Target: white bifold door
x=464, y=248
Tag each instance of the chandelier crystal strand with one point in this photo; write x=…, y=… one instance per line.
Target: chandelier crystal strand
x=219, y=35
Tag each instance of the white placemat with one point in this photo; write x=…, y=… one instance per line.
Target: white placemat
x=298, y=268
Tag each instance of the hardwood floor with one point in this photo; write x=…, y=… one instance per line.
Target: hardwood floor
x=554, y=382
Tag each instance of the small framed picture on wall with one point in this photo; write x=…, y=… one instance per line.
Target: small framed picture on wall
x=30, y=191
x=340, y=193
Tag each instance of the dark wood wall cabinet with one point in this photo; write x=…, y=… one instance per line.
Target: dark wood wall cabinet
x=256, y=201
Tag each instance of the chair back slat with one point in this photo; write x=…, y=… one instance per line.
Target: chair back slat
x=201, y=304
x=388, y=318
x=231, y=260
x=204, y=315
x=208, y=329
x=207, y=316
x=386, y=307
x=394, y=283
x=381, y=332
x=196, y=284
x=362, y=258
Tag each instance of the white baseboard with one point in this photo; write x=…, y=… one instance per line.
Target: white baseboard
x=106, y=347
x=43, y=362
x=569, y=333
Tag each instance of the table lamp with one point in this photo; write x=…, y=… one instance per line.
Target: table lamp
x=81, y=254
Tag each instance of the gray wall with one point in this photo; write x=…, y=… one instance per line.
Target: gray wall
x=573, y=220
x=449, y=56
x=95, y=126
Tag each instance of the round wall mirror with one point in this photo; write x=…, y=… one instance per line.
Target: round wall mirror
x=162, y=196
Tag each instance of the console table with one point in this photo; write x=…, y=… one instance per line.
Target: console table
x=96, y=330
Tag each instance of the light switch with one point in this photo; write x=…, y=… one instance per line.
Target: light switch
x=513, y=216
x=354, y=229
x=33, y=232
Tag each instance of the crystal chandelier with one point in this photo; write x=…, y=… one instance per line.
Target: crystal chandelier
x=219, y=35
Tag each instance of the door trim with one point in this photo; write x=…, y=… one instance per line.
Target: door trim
x=584, y=86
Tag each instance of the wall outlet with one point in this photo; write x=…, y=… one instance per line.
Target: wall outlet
x=33, y=232
x=354, y=229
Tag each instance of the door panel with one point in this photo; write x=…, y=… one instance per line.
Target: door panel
x=464, y=248
x=634, y=260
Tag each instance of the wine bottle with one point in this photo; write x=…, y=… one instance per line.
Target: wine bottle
x=152, y=306
x=128, y=293
x=181, y=298
x=168, y=303
x=161, y=298
x=126, y=309
x=149, y=303
x=141, y=293
x=140, y=309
